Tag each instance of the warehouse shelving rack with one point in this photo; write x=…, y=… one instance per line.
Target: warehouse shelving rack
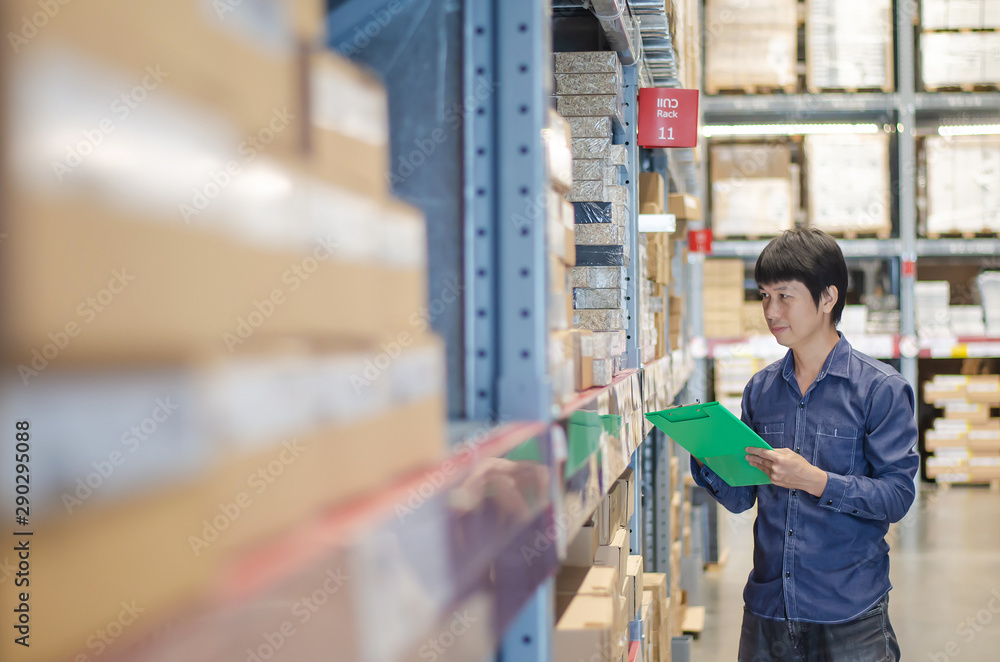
x=906, y=109
x=482, y=186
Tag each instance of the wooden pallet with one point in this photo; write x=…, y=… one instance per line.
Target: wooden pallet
x=874, y=89
x=961, y=235
x=751, y=90
x=715, y=567
x=852, y=234
x=694, y=621
x=961, y=30
x=963, y=87
x=994, y=485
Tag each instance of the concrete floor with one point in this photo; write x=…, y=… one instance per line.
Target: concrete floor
x=945, y=572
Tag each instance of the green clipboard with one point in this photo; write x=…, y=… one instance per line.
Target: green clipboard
x=712, y=434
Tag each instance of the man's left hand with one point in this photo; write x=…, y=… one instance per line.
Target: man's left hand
x=786, y=468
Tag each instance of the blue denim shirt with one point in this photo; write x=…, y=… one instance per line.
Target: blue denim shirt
x=825, y=560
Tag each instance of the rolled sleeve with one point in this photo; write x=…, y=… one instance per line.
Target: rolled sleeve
x=889, y=447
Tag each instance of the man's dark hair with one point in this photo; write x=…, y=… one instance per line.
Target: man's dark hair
x=811, y=257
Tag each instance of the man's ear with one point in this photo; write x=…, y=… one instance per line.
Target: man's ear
x=828, y=299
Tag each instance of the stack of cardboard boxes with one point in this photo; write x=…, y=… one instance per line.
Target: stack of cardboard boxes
x=722, y=298
x=571, y=351
x=849, y=45
x=847, y=184
x=658, y=247
x=965, y=442
x=752, y=189
x=959, y=43
x=750, y=45
x=602, y=588
x=963, y=190
x=588, y=89
x=685, y=33
x=209, y=298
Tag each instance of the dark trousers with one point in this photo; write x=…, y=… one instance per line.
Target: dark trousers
x=868, y=638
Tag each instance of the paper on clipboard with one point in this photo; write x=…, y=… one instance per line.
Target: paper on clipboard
x=712, y=434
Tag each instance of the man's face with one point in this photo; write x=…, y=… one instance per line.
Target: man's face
x=791, y=314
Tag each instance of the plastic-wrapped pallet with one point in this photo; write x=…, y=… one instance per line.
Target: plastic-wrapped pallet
x=751, y=189
x=989, y=289
x=849, y=45
x=963, y=184
x=931, y=301
x=750, y=44
x=958, y=59
x=958, y=14
x=848, y=183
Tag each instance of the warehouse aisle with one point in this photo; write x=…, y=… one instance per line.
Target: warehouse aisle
x=945, y=602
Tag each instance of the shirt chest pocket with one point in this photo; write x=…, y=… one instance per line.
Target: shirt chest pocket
x=772, y=433
x=836, y=447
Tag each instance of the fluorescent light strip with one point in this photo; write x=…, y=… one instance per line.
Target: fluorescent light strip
x=979, y=130
x=787, y=129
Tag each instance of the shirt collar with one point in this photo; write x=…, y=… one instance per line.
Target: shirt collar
x=838, y=362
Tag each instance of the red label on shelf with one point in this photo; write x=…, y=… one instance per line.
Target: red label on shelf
x=668, y=117
x=909, y=268
x=700, y=241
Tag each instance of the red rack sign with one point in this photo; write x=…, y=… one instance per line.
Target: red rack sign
x=668, y=117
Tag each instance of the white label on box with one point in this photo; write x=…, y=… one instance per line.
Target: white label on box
x=984, y=435
x=348, y=106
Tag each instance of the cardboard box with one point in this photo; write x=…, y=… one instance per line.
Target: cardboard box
x=652, y=193
x=847, y=178
x=599, y=581
x=956, y=201
x=599, y=320
x=328, y=470
x=588, y=170
x=967, y=411
x=752, y=207
x=600, y=234
x=740, y=161
x=558, y=140
x=615, y=554
x=583, y=548
x=754, y=322
x=153, y=310
x=587, y=62
x=599, y=277
x=612, y=514
x=959, y=58
x=596, y=105
x=587, y=626
x=91, y=567
x=634, y=567
x=347, y=120
x=849, y=44
x=684, y=206
x=983, y=389
x=733, y=56
x=583, y=349
x=624, y=485
x=952, y=15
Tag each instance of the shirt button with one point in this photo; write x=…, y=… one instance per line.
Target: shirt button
x=829, y=503
x=855, y=512
x=798, y=450
x=801, y=406
x=793, y=492
x=788, y=574
x=792, y=533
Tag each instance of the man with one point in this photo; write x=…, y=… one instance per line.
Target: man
x=843, y=432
